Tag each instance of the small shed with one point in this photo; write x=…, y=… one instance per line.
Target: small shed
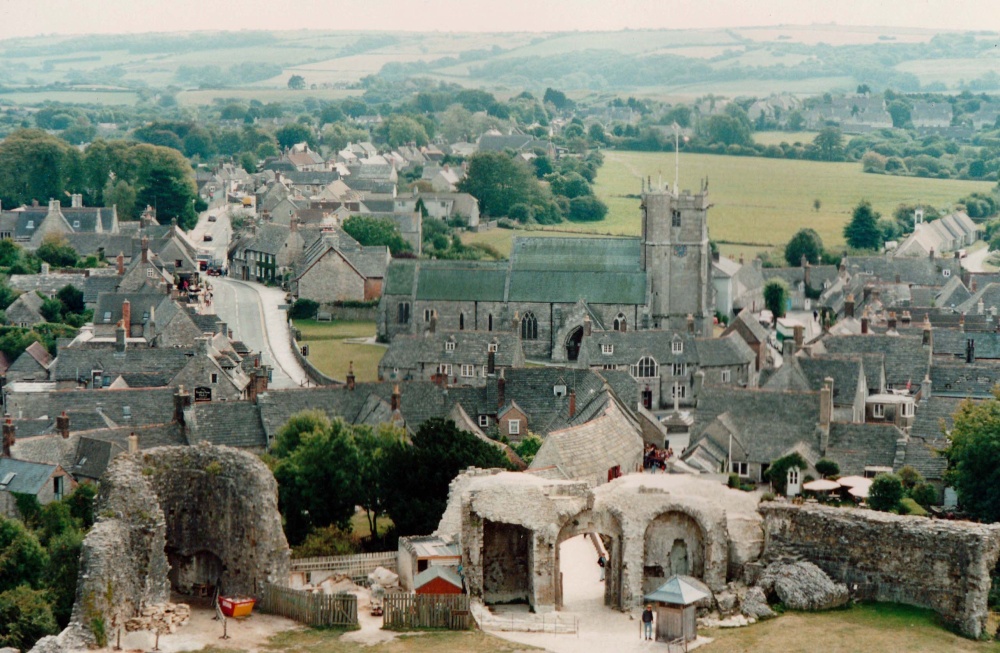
x=421, y=552
x=438, y=579
x=675, y=610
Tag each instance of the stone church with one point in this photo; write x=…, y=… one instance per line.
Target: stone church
x=551, y=286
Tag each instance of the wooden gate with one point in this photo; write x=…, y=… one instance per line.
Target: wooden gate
x=406, y=611
x=340, y=610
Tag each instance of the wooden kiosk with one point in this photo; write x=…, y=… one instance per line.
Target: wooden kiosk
x=675, y=610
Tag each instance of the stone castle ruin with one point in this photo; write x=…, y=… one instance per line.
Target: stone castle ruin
x=510, y=527
x=175, y=519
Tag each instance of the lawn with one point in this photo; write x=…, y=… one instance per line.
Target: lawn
x=876, y=627
x=314, y=640
x=329, y=352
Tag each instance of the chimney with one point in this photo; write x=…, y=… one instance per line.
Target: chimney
x=120, y=263
x=787, y=348
x=396, y=397
x=120, y=342
x=961, y=321
x=133, y=442
x=892, y=321
x=973, y=285
x=980, y=306
x=62, y=425
x=932, y=254
x=572, y=403
x=849, y=306
x=699, y=383
x=350, y=375
x=127, y=317
x=825, y=413
x=222, y=328
x=928, y=340
x=76, y=201
x=690, y=323
x=54, y=206
x=864, y=325
x=958, y=256
x=9, y=436
x=145, y=249
x=491, y=362
x=587, y=326
x=149, y=329
x=203, y=345
x=799, y=331
x=501, y=391
x=182, y=400
x=805, y=270
x=970, y=351
x=925, y=388
x=907, y=318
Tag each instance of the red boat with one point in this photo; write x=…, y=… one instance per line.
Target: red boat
x=236, y=606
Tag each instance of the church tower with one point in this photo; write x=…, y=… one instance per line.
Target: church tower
x=677, y=259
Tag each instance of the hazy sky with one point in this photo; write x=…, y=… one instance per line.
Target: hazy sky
x=33, y=17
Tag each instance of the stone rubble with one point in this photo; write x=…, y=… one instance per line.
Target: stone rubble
x=802, y=586
x=167, y=617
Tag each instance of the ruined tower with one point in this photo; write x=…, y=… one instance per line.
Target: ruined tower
x=677, y=259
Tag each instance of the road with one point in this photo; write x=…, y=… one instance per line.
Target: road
x=975, y=261
x=220, y=231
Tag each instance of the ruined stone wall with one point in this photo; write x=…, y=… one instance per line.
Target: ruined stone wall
x=941, y=565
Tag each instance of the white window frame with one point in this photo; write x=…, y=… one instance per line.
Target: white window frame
x=946, y=272
x=878, y=411
x=492, y=347
x=514, y=427
x=741, y=469
x=444, y=368
x=468, y=371
x=679, y=369
x=677, y=347
x=150, y=273
x=607, y=350
x=906, y=410
x=449, y=346
x=727, y=376
x=484, y=421
x=678, y=390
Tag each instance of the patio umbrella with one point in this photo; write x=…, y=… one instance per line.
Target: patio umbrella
x=821, y=485
x=860, y=492
x=854, y=481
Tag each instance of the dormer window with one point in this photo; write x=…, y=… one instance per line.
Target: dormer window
x=559, y=390
x=107, y=317
x=607, y=350
x=150, y=273
x=30, y=225
x=492, y=347
x=76, y=224
x=677, y=347
x=127, y=412
x=946, y=272
x=449, y=346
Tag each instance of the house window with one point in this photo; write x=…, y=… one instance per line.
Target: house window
x=646, y=368
x=678, y=391
x=57, y=487
x=178, y=263
x=107, y=317
x=675, y=218
x=427, y=315
x=946, y=272
x=76, y=224
x=878, y=410
x=8, y=477
x=906, y=410
x=609, y=367
x=620, y=322
x=403, y=313
x=127, y=412
x=607, y=350
x=741, y=468
x=679, y=369
x=793, y=476
x=95, y=378
x=449, y=346
x=468, y=371
x=215, y=377
x=461, y=321
x=514, y=427
x=150, y=272
x=529, y=327
x=489, y=322
x=486, y=371
x=31, y=224
x=492, y=347
x=727, y=376
x=484, y=421
x=677, y=347
x=444, y=368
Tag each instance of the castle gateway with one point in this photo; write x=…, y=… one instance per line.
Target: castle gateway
x=552, y=289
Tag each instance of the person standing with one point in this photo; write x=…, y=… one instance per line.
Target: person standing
x=602, y=562
x=647, y=622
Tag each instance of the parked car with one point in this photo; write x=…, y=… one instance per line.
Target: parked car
x=212, y=218
x=208, y=238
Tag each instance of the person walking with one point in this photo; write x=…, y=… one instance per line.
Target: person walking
x=602, y=563
x=647, y=622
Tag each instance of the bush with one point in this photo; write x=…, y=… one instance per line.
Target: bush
x=924, y=494
x=25, y=617
x=777, y=473
x=328, y=541
x=303, y=309
x=886, y=492
x=767, y=496
x=827, y=468
x=734, y=481
x=908, y=506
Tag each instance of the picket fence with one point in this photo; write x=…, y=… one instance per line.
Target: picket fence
x=407, y=611
x=339, y=610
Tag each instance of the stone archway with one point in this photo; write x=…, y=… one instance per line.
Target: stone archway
x=674, y=544
x=606, y=528
x=573, y=344
x=507, y=552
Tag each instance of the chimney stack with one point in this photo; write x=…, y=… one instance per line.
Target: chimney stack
x=396, y=398
x=690, y=323
x=572, y=403
x=970, y=351
x=46, y=268
x=127, y=317
x=501, y=391
x=699, y=383
x=222, y=328
x=892, y=321
x=787, y=348
x=145, y=249
x=120, y=263
x=980, y=306
x=864, y=325
x=587, y=326
x=932, y=254
x=825, y=413
x=973, y=285
x=182, y=400
x=62, y=425
x=54, y=206
x=9, y=436
x=849, y=305
x=805, y=271
x=907, y=318
x=133, y=442
x=120, y=342
x=928, y=340
x=799, y=332
x=350, y=375
x=76, y=201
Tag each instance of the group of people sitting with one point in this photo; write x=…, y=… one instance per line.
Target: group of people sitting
x=654, y=459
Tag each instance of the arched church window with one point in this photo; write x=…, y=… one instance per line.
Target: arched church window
x=529, y=327
x=646, y=368
x=620, y=323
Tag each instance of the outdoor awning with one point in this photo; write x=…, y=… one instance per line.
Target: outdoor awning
x=676, y=591
x=854, y=481
x=821, y=485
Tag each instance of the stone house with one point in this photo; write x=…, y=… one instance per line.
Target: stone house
x=30, y=225
x=947, y=234
x=32, y=365
x=335, y=267
x=26, y=310
x=45, y=482
x=747, y=327
x=907, y=358
x=804, y=374
x=738, y=286
x=512, y=421
x=442, y=206
x=451, y=357
x=268, y=253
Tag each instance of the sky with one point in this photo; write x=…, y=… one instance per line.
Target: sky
x=35, y=17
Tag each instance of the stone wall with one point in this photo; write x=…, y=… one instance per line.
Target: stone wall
x=936, y=564
x=311, y=371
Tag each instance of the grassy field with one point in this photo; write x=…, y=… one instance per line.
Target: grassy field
x=72, y=97
x=209, y=96
x=328, y=641
x=758, y=204
x=878, y=627
x=777, y=138
x=332, y=356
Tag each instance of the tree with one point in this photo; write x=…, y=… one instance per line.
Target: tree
x=587, y=209
x=25, y=618
x=885, y=493
x=727, y=130
x=571, y=184
x=420, y=473
x=830, y=143
x=375, y=447
x=51, y=309
x=37, y=166
x=827, y=468
x=862, y=231
x=294, y=133
x=817, y=204
x=56, y=250
x=900, y=113
x=170, y=196
x=557, y=99
x=777, y=473
x=296, y=82
x=121, y=195
x=805, y=242
x=776, y=297
x=62, y=571
x=376, y=231
x=23, y=560
x=498, y=182
x=974, y=458
x=399, y=130
x=71, y=299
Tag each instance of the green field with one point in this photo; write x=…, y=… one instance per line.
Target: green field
x=777, y=138
x=209, y=96
x=329, y=352
x=758, y=203
x=72, y=97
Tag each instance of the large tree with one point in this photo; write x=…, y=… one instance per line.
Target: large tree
x=974, y=458
x=37, y=166
x=863, y=232
x=776, y=297
x=830, y=143
x=805, y=242
x=498, y=182
x=376, y=231
x=416, y=491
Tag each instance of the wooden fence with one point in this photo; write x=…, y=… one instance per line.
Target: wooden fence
x=339, y=610
x=356, y=566
x=406, y=611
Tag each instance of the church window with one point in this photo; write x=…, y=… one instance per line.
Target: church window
x=489, y=322
x=461, y=321
x=620, y=323
x=677, y=347
x=646, y=368
x=403, y=313
x=675, y=218
x=607, y=350
x=610, y=366
x=529, y=326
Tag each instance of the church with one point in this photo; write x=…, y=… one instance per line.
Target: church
x=550, y=287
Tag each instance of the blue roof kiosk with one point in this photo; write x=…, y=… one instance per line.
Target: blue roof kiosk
x=675, y=610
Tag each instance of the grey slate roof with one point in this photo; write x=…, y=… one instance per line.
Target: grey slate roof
x=630, y=346
x=906, y=359
x=94, y=285
x=924, y=455
x=933, y=415
x=108, y=309
x=962, y=380
x=141, y=367
x=26, y=309
x=953, y=343
x=727, y=350
x=854, y=446
x=845, y=372
x=27, y=477
x=46, y=283
x=93, y=456
x=232, y=423
x=921, y=271
x=270, y=239
x=988, y=294
x=470, y=348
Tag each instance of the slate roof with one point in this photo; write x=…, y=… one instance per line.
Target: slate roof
x=470, y=348
x=924, y=455
x=232, y=423
x=46, y=283
x=108, y=309
x=962, y=380
x=629, y=346
x=147, y=367
x=576, y=254
x=94, y=285
x=922, y=271
x=854, y=446
x=750, y=323
x=906, y=359
x=989, y=294
x=270, y=239
x=934, y=414
x=103, y=408
x=26, y=308
x=845, y=372
x=310, y=177
x=25, y=477
x=953, y=343
x=727, y=350
x=93, y=456
x=92, y=244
